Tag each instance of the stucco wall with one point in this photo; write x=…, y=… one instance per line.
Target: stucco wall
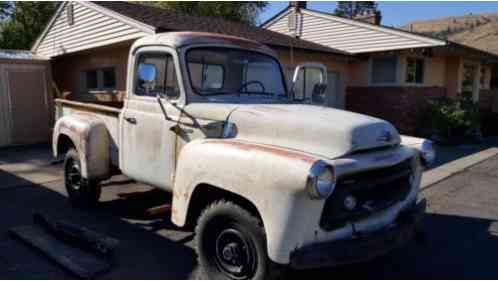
x=434, y=71
x=69, y=70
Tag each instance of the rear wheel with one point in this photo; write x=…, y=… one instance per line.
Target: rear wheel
x=231, y=243
x=81, y=192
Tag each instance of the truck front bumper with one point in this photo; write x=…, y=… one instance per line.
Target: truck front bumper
x=362, y=247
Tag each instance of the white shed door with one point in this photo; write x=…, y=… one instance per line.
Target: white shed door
x=24, y=104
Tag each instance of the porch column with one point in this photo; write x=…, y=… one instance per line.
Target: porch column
x=476, y=86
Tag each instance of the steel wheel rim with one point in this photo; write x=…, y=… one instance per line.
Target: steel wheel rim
x=73, y=175
x=234, y=255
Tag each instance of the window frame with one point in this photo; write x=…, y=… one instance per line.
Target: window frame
x=189, y=79
x=396, y=71
x=100, y=79
x=214, y=64
x=424, y=63
x=135, y=73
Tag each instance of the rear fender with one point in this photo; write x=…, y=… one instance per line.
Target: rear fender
x=90, y=138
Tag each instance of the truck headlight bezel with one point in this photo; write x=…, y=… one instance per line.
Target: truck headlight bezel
x=321, y=180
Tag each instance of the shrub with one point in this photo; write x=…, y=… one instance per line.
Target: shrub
x=454, y=119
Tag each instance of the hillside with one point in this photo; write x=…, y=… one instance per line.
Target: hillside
x=478, y=31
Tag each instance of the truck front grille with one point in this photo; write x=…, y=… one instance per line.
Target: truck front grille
x=373, y=191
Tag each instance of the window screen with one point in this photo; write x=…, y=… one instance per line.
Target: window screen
x=384, y=69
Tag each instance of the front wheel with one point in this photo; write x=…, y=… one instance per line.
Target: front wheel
x=81, y=192
x=231, y=243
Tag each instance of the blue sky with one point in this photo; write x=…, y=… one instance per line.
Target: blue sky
x=398, y=13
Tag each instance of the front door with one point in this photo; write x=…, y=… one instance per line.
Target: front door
x=148, y=141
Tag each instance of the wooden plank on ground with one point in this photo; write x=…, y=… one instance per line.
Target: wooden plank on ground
x=75, y=260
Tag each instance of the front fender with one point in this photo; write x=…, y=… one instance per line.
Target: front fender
x=272, y=178
x=91, y=139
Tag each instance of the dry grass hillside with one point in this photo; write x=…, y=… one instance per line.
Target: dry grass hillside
x=478, y=31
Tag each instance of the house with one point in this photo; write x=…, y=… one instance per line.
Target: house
x=88, y=45
x=394, y=70
x=25, y=98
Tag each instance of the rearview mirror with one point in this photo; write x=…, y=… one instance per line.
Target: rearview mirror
x=147, y=72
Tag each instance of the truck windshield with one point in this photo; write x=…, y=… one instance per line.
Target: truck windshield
x=225, y=71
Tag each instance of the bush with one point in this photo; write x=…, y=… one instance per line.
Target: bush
x=454, y=120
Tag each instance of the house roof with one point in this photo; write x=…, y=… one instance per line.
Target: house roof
x=167, y=20
x=350, y=35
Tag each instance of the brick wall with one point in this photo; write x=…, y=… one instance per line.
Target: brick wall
x=402, y=106
x=488, y=100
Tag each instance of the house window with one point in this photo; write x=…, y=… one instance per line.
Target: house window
x=384, y=69
x=70, y=13
x=100, y=79
x=415, y=70
x=161, y=69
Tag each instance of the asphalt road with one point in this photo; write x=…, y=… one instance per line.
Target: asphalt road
x=461, y=230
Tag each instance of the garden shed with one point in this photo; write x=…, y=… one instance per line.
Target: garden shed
x=25, y=98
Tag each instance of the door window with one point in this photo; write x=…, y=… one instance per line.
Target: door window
x=156, y=74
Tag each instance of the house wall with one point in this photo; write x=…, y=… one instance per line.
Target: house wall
x=345, y=34
x=90, y=28
x=401, y=105
x=69, y=70
x=434, y=71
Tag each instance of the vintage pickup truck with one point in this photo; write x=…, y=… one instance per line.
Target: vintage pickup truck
x=268, y=179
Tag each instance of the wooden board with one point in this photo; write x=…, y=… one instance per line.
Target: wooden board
x=75, y=260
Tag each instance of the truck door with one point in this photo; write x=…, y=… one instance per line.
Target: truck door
x=147, y=151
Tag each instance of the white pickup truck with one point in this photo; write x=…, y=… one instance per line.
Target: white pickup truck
x=269, y=180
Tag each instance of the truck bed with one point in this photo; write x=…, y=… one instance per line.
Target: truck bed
x=107, y=112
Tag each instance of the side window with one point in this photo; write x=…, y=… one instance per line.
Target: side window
x=100, y=79
x=384, y=69
x=415, y=70
x=155, y=74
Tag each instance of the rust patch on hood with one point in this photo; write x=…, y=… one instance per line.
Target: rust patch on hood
x=266, y=148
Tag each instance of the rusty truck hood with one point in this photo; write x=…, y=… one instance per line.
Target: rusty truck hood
x=318, y=130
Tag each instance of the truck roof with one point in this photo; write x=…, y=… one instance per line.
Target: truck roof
x=185, y=38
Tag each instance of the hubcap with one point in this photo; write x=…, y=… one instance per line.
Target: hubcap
x=234, y=256
x=73, y=175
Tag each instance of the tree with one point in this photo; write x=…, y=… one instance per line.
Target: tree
x=350, y=9
x=23, y=22
x=245, y=12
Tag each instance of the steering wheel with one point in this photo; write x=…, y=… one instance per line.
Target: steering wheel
x=244, y=86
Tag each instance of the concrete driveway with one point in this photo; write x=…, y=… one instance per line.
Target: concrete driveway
x=462, y=228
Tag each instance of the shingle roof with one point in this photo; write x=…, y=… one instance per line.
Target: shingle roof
x=168, y=20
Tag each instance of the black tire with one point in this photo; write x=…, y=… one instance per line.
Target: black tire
x=81, y=192
x=231, y=243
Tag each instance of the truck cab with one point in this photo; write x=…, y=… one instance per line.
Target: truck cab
x=269, y=179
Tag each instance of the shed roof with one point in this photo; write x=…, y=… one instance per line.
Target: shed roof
x=19, y=55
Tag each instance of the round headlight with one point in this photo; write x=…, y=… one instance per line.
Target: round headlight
x=321, y=180
x=428, y=152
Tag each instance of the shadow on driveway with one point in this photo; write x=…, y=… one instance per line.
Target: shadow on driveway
x=455, y=248
x=142, y=254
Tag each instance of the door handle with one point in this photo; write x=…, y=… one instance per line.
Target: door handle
x=131, y=120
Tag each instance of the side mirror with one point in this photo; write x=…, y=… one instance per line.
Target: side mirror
x=147, y=72
x=309, y=82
